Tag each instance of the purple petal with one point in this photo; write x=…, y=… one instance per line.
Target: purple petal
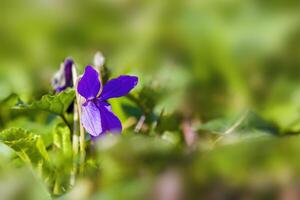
x=110, y=122
x=63, y=77
x=89, y=85
x=91, y=118
x=68, y=72
x=97, y=118
x=118, y=87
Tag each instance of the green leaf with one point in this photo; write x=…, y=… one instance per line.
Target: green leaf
x=31, y=150
x=29, y=147
x=216, y=126
x=62, y=139
x=61, y=159
x=12, y=99
x=57, y=104
x=5, y=106
x=248, y=123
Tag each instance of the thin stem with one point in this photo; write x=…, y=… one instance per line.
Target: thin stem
x=81, y=129
x=81, y=137
x=63, y=117
x=74, y=146
x=140, y=124
x=75, y=137
x=233, y=127
x=236, y=124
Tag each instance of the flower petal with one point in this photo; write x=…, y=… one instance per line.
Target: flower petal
x=91, y=118
x=97, y=118
x=68, y=72
x=110, y=122
x=118, y=87
x=89, y=85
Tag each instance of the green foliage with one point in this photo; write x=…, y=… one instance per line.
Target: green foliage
x=61, y=160
x=5, y=106
x=197, y=61
x=57, y=104
x=62, y=140
x=249, y=122
x=29, y=147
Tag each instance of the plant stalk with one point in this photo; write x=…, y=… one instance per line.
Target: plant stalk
x=75, y=135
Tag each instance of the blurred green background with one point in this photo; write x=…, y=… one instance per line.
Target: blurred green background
x=202, y=59
x=222, y=55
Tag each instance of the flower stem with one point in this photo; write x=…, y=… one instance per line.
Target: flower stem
x=81, y=129
x=78, y=134
x=75, y=135
x=74, y=146
x=63, y=117
x=81, y=138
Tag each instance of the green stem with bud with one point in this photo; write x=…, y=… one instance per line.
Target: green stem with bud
x=78, y=134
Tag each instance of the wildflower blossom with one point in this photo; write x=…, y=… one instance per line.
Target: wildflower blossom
x=97, y=117
x=63, y=78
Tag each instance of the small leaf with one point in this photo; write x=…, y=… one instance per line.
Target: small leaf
x=61, y=159
x=10, y=100
x=28, y=146
x=5, y=105
x=248, y=123
x=30, y=149
x=62, y=139
x=57, y=104
x=216, y=126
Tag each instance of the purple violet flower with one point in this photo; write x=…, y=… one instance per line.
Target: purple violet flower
x=97, y=117
x=63, y=78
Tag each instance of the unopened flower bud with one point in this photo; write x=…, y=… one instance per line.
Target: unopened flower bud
x=99, y=60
